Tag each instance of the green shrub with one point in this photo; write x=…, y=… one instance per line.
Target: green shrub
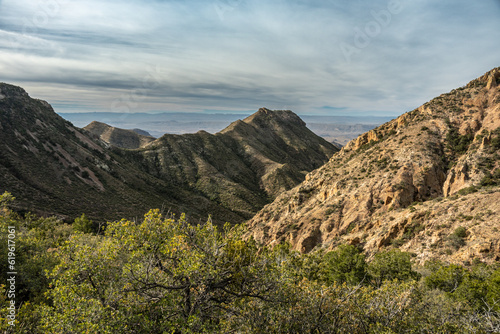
x=389, y=265
x=460, y=232
x=458, y=143
x=83, y=224
x=468, y=190
x=445, y=278
x=345, y=264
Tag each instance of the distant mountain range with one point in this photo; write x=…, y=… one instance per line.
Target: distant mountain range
x=339, y=129
x=53, y=167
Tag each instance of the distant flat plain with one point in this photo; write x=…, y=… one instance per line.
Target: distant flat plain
x=336, y=129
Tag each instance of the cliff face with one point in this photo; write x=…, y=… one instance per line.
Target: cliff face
x=408, y=183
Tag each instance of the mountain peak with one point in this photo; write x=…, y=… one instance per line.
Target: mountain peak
x=490, y=79
x=264, y=115
x=7, y=91
x=128, y=139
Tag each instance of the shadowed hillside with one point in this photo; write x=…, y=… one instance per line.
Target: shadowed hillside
x=54, y=168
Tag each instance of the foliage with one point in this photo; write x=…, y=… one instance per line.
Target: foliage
x=445, y=278
x=456, y=239
x=458, y=143
x=391, y=264
x=83, y=224
x=172, y=275
x=163, y=275
x=345, y=264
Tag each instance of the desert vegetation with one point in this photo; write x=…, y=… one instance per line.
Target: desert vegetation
x=164, y=275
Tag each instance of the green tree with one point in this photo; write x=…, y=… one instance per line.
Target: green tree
x=345, y=264
x=159, y=275
x=391, y=264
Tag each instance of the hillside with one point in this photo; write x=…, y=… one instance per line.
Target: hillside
x=119, y=137
x=426, y=182
x=51, y=167
x=244, y=166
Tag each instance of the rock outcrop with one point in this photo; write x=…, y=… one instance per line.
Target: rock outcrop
x=393, y=185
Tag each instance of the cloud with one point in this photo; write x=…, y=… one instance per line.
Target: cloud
x=243, y=54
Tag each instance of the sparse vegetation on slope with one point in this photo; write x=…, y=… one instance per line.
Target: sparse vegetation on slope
x=56, y=168
x=390, y=187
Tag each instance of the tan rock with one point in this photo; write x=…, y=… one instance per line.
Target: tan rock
x=392, y=189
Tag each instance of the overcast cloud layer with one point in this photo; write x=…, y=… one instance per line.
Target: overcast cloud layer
x=312, y=56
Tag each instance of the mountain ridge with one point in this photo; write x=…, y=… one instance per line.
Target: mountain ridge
x=129, y=139
x=53, y=167
x=366, y=193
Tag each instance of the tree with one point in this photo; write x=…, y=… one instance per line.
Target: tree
x=345, y=264
x=389, y=265
x=158, y=275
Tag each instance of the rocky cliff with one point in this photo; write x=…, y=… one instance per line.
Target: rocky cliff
x=417, y=182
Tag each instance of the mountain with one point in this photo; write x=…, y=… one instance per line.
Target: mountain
x=426, y=182
x=244, y=166
x=119, y=137
x=52, y=167
x=142, y=132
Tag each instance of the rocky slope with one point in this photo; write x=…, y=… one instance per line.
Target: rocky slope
x=130, y=139
x=51, y=167
x=245, y=165
x=427, y=182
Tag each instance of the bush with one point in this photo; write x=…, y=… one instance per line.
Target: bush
x=345, y=264
x=392, y=264
x=445, y=278
x=460, y=232
x=83, y=224
x=458, y=143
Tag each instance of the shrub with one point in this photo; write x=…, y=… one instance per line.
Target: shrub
x=345, y=264
x=445, y=278
x=458, y=143
x=460, y=232
x=389, y=265
x=468, y=190
x=83, y=224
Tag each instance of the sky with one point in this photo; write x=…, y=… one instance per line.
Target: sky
x=318, y=57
